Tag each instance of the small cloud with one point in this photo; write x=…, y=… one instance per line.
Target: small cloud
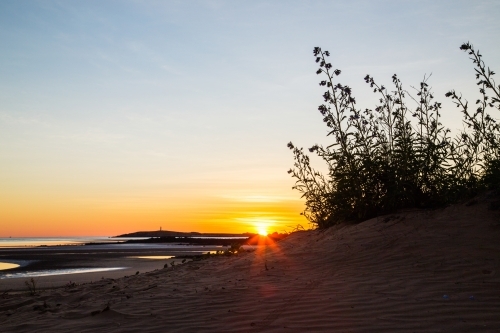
x=136, y=118
x=171, y=69
x=155, y=153
x=257, y=198
x=91, y=136
x=21, y=120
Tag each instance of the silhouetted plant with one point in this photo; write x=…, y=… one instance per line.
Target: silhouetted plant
x=476, y=151
x=394, y=156
x=32, y=287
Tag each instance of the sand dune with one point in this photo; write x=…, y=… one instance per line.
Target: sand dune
x=420, y=271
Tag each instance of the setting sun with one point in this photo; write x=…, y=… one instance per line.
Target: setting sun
x=262, y=231
x=262, y=226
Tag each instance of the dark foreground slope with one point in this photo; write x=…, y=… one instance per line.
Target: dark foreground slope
x=420, y=271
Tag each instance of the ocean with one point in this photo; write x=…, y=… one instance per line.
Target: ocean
x=54, y=241
x=27, y=257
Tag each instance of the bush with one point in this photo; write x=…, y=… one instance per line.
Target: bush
x=396, y=156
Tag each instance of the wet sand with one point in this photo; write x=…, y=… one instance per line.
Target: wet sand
x=57, y=258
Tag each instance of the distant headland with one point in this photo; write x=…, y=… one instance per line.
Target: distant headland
x=167, y=233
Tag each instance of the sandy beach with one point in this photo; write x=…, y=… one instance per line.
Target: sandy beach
x=94, y=262
x=415, y=271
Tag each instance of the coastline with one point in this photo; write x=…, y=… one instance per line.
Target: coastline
x=109, y=261
x=419, y=271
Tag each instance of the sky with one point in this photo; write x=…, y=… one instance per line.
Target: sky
x=120, y=116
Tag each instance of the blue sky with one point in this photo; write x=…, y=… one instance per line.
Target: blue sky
x=184, y=106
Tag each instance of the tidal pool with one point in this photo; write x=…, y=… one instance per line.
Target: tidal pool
x=153, y=257
x=7, y=265
x=50, y=272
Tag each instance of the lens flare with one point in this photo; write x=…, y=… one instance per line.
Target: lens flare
x=262, y=231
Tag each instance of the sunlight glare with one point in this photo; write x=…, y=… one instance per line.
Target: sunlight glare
x=261, y=230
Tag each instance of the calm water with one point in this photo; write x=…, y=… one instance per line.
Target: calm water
x=8, y=265
x=54, y=241
x=50, y=272
x=74, y=246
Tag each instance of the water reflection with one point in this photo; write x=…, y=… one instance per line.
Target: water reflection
x=50, y=272
x=152, y=257
x=7, y=265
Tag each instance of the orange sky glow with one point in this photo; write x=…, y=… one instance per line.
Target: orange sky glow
x=127, y=116
x=106, y=218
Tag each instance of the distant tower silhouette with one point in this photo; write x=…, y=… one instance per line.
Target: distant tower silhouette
x=160, y=228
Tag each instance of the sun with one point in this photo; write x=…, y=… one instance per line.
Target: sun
x=262, y=226
x=262, y=231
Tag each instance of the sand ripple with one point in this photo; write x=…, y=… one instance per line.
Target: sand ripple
x=410, y=272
